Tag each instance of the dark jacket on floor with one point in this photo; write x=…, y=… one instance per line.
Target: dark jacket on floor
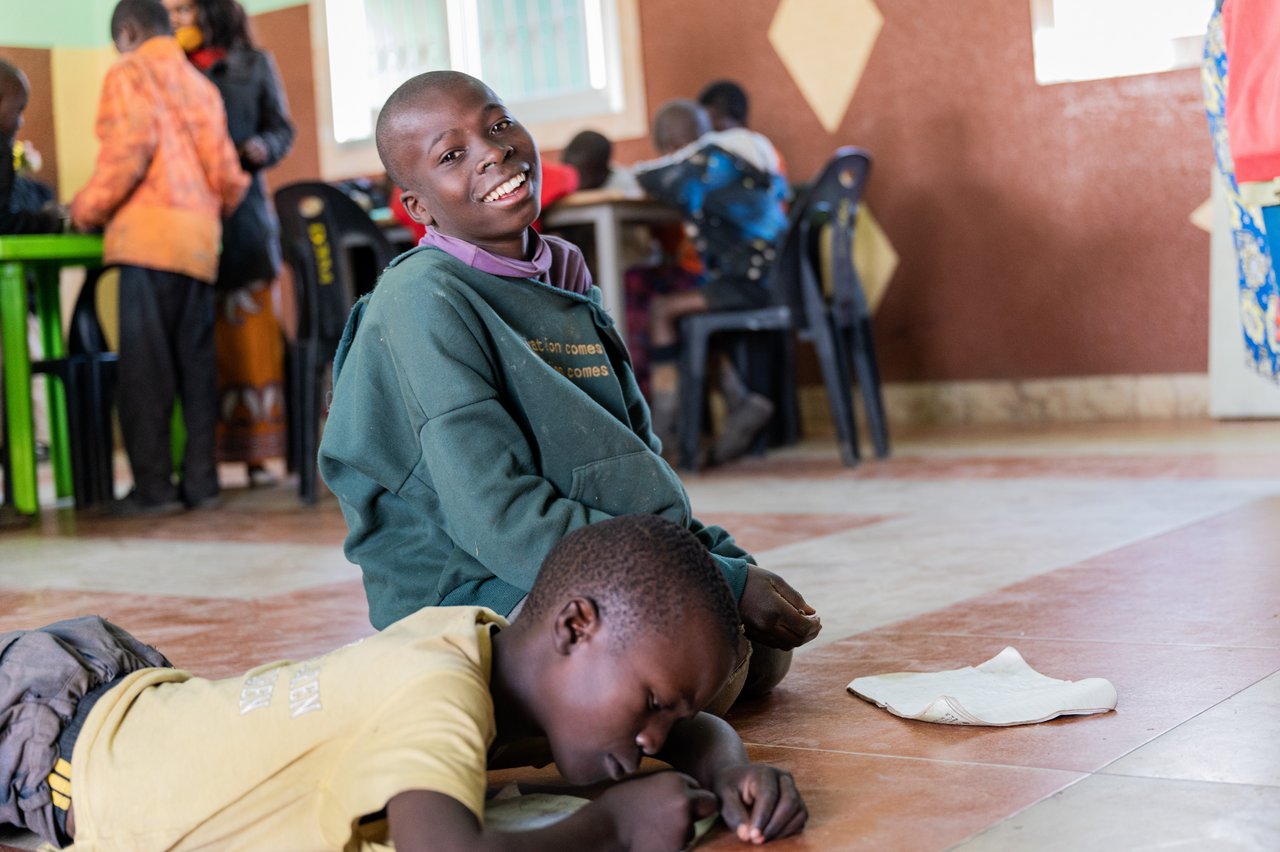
x=43, y=675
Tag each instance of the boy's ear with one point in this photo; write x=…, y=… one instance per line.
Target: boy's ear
x=576, y=624
x=128, y=37
x=415, y=207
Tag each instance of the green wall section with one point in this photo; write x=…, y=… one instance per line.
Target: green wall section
x=56, y=23
x=257, y=7
x=79, y=23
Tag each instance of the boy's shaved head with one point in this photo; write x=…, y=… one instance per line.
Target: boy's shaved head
x=13, y=100
x=399, y=116
x=677, y=124
x=589, y=152
x=727, y=103
x=148, y=16
x=11, y=77
x=644, y=573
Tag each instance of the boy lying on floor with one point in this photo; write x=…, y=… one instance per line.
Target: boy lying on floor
x=628, y=632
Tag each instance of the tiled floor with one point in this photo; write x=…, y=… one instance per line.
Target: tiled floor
x=1149, y=555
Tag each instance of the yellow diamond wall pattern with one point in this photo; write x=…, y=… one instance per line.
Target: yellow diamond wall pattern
x=825, y=45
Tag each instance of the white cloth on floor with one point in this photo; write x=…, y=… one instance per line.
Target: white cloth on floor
x=1002, y=691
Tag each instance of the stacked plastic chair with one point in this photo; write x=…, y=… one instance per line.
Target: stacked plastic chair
x=336, y=253
x=836, y=319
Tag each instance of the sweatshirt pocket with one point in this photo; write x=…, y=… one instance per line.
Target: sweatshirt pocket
x=638, y=483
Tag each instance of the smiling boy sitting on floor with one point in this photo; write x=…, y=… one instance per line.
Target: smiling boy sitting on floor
x=483, y=402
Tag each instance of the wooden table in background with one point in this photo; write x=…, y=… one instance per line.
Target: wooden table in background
x=607, y=212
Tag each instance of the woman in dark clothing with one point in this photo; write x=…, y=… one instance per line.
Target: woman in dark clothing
x=249, y=346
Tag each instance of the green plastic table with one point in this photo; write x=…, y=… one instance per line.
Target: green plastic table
x=44, y=255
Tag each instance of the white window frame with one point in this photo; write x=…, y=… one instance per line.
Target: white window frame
x=620, y=113
x=1065, y=55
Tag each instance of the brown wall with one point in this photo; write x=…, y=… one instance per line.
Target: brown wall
x=286, y=33
x=1042, y=229
x=37, y=121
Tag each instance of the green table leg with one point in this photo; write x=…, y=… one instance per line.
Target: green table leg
x=49, y=312
x=17, y=388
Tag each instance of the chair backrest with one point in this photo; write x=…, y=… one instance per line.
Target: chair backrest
x=85, y=335
x=826, y=209
x=336, y=251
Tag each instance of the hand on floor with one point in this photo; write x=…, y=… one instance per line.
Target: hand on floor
x=760, y=803
x=775, y=614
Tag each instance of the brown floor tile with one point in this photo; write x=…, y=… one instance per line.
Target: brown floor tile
x=1159, y=687
x=212, y=637
x=764, y=532
x=1216, y=582
x=863, y=802
x=256, y=515
x=1180, y=466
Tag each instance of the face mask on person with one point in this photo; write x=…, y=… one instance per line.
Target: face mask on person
x=189, y=37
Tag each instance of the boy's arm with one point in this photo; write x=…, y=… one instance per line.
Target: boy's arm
x=656, y=812
x=127, y=131
x=757, y=801
x=217, y=153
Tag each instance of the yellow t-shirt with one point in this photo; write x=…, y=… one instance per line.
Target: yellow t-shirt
x=290, y=755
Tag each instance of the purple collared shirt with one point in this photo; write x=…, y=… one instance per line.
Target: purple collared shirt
x=556, y=262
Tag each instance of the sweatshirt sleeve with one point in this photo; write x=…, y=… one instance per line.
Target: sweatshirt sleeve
x=126, y=129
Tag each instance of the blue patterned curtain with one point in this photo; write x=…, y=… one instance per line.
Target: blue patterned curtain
x=1259, y=297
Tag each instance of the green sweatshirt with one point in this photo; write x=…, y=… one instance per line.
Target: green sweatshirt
x=475, y=421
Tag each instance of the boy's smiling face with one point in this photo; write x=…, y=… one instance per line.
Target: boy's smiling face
x=470, y=169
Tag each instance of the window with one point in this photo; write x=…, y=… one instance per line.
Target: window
x=1095, y=39
x=561, y=65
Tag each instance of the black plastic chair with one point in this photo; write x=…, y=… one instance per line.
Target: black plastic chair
x=838, y=323
x=88, y=376
x=336, y=253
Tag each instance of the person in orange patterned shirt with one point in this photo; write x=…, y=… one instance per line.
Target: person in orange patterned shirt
x=166, y=174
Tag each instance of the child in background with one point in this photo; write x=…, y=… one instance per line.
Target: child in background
x=728, y=108
x=166, y=175
x=483, y=404
x=628, y=632
x=14, y=93
x=591, y=153
x=731, y=190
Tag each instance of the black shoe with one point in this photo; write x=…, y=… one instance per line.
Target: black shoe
x=741, y=426
x=12, y=519
x=213, y=501
x=132, y=506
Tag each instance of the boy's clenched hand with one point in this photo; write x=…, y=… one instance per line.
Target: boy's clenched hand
x=657, y=812
x=759, y=802
x=775, y=614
